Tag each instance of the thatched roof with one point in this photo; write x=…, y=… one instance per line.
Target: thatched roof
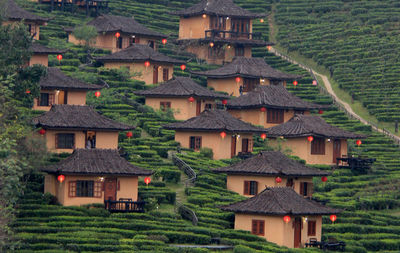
x=111, y=23
x=14, y=12
x=215, y=121
x=271, y=163
x=38, y=48
x=279, y=201
x=56, y=79
x=181, y=87
x=248, y=67
x=138, y=53
x=225, y=8
x=96, y=162
x=306, y=125
x=271, y=96
x=77, y=117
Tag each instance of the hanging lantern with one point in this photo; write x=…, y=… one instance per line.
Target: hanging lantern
x=262, y=20
x=191, y=99
x=129, y=134
x=286, y=218
x=320, y=112
x=278, y=180
x=117, y=35
x=237, y=79
x=263, y=109
x=59, y=57
x=324, y=179
x=183, y=67
x=146, y=64
x=42, y=131
x=224, y=101
x=61, y=178
x=147, y=180
x=263, y=136
x=164, y=41
x=204, y=16
x=211, y=44
x=223, y=135
x=269, y=48
x=310, y=138
x=314, y=82
x=333, y=217
x=295, y=83
x=27, y=91
x=97, y=94
x=358, y=142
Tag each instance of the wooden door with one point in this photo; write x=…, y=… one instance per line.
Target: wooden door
x=233, y=146
x=297, y=232
x=155, y=74
x=110, y=189
x=198, y=107
x=336, y=150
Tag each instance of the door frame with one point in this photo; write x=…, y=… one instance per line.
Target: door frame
x=233, y=146
x=335, y=152
x=155, y=74
x=297, y=224
x=107, y=180
x=198, y=107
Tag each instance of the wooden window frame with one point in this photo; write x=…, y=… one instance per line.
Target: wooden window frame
x=239, y=51
x=249, y=145
x=98, y=189
x=165, y=105
x=165, y=74
x=57, y=140
x=250, y=84
x=72, y=189
x=304, y=188
x=311, y=228
x=84, y=190
x=275, y=116
x=318, y=146
x=250, y=187
x=197, y=142
x=258, y=227
x=119, y=42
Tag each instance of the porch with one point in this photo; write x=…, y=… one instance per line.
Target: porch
x=124, y=206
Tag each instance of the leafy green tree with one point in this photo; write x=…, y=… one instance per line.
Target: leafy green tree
x=86, y=33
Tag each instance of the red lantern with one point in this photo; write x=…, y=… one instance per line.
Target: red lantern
x=269, y=48
x=237, y=79
x=27, y=91
x=286, y=218
x=320, y=112
x=224, y=101
x=223, y=135
x=59, y=57
x=129, y=134
x=262, y=20
x=211, y=44
x=314, y=82
x=42, y=131
x=147, y=180
x=146, y=64
x=117, y=35
x=295, y=83
x=333, y=217
x=310, y=138
x=324, y=179
x=358, y=142
x=183, y=67
x=97, y=94
x=263, y=136
x=61, y=178
x=263, y=109
x=164, y=41
x=278, y=180
x=191, y=99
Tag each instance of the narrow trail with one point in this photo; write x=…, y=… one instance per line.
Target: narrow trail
x=328, y=87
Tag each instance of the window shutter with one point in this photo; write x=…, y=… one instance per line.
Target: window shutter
x=118, y=186
x=246, y=189
x=98, y=189
x=254, y=227
x=311, y=231
x=73, y=141
x=255, y=188
x=192, y=142
x=261, y=227
x=302, y=188
x=72, y=189
x=51, y=99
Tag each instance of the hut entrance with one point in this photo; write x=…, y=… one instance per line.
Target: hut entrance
x=233, y=146
x=110, y=189
x=297, y=232
x=336, y=150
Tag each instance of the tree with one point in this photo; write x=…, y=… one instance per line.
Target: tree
x=86, y=33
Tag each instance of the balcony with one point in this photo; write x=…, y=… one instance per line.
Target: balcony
x=222, y=34
x=124, y=206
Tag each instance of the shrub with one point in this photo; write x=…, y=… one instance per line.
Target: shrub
x=207, y=152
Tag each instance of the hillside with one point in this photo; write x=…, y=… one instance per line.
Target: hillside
x=369, y=199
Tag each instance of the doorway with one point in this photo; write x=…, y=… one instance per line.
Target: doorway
x=62, y=97
x=198, y=107
x=233, y=146
x=336, y=150
x=90, y=139
x=297, y=232
x=110, y=189
x=155, y=74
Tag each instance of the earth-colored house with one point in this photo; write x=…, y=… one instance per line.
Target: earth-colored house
x=93, y=176
x=183, y=96
x=269, y=169
x=14, y=14
x=218, y=30
x=268, y=106
x=144, y=63
x=69, y=127
x=40, y=54
x=242, y=75
x=117, y=32
x=312, y=139
x=217, y=130
x=264, y=214
x=58, y=88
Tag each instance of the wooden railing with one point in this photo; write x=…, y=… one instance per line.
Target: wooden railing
x=231, y=35
x=190, y=173
x=124, y=206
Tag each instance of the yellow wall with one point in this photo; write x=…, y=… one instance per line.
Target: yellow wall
x=146, y=74
x=35, y=27
x=193, y=27
x=128, y=189
x=104, y=140
x=74, y=98
x=181, y=107
x=42, y=59
x=301, y=147
x=228, y=85
x=276, y=230
x=236, y=182
x=221, y=146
